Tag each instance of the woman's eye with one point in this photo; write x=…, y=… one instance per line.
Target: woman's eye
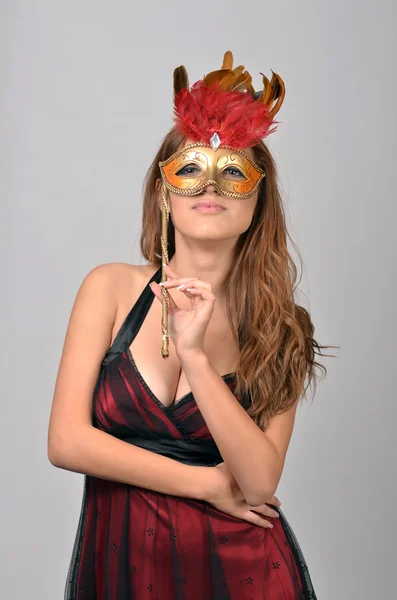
x=188, y=170
x=233, y=172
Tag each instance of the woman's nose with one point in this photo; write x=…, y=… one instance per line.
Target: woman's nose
x=209, y=188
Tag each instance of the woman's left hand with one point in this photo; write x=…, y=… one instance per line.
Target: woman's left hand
x=187, y=327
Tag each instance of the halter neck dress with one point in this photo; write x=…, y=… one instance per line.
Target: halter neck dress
x=137, y=544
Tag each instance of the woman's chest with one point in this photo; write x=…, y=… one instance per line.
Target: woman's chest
x=165, y=377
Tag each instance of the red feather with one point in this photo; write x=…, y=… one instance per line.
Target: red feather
x=239, y=119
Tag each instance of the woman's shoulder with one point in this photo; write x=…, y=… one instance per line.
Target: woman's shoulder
x=122, y=279
x=123, y=271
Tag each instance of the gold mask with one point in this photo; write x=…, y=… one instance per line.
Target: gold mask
x=233, y=172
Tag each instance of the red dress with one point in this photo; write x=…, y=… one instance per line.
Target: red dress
x=137, y=544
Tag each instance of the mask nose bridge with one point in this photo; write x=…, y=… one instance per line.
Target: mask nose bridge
x=213, y=175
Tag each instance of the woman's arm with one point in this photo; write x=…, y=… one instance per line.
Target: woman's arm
x=73, y=443
x=94, y=452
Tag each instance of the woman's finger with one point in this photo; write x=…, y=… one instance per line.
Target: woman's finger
x=266, y=511
x=204, y=293
x=169, y=272
x=178, y=282
x=256, y=520
x=172, y=305
x=183, y=281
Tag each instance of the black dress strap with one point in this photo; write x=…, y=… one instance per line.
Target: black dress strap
x=133, y=321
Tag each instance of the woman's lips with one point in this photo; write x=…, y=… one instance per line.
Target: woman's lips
x=209, y=206
x=209, y=209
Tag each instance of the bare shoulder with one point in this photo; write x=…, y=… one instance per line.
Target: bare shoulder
x=120, y=282
x=117, y=276
x=124, y=278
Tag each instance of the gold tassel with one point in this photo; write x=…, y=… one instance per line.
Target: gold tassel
x=165, y=212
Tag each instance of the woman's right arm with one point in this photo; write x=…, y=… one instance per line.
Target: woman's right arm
x=73, y=443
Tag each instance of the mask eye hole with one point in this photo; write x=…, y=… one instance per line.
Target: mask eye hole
x=190, y=170
x=234, y=173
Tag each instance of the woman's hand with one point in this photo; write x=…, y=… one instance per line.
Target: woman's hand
x=187, y=327
x=228, y=498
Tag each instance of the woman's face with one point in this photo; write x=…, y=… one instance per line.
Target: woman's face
x=234, y=220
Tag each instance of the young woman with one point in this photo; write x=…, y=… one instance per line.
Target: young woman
x=182, y=456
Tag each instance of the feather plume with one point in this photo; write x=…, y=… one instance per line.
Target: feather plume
x=225, y=101
x=181, y=79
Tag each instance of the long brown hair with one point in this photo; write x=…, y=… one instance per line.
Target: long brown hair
x=275, y=335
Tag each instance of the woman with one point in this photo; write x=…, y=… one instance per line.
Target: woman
x=182, y=456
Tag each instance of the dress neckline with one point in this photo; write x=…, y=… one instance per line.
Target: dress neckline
x=126, y=334
x=188, y=396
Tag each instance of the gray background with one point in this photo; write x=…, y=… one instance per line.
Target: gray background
x=86, y=96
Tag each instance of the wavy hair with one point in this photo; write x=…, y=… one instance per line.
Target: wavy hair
x=275, y=335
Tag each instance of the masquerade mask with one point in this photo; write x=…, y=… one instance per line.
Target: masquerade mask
x=222, y=113
x=231, y=171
